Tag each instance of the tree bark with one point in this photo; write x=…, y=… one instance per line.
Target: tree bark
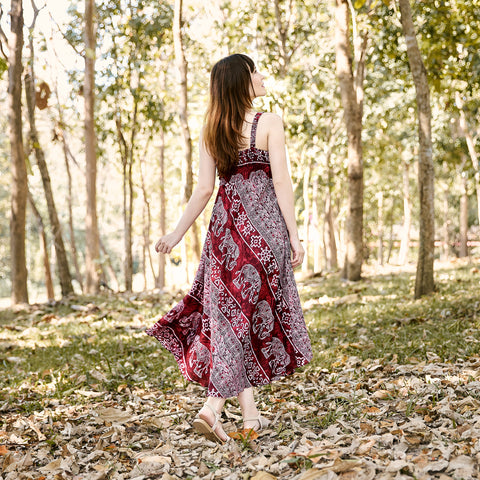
x=380, y=228
x=160, y=281
x=407, y=216
x=350, y=88
x=61, y=254
x=92, y=242
x=182, y=66
x=44, y=248
x=147, y=221
x=306, y=215
x=445, y=226
x=424, y=281
x=282, y=28
x=465, y=131
x=109, y=267
x=73, y=243
x=317, y=266
x=331, y=256
x=463, y=250
x=19, y=170
x=390, y=230
x=126, y=154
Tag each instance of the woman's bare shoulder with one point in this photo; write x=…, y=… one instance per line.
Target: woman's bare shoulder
x=272, y=123
x=272, y=118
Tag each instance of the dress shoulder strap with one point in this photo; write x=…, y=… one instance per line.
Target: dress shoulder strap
x=253, y=135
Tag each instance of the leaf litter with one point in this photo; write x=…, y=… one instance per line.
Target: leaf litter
x=428, y=426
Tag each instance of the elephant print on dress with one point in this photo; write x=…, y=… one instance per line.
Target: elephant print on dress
x=199, y=360
x=280, y=358
x=219, y=217
x=262, y=321
x=248, y=279
x=230, y=250
x=190, y=325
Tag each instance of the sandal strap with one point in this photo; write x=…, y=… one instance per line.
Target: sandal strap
x=262, y=421
x=217, y=416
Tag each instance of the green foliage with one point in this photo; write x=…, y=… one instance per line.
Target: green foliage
x=3, y=67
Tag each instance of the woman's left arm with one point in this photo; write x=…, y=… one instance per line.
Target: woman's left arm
x=199, y=199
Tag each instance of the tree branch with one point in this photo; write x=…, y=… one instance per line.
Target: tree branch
x=3, y=37
x=78, y=52
x=36, y=11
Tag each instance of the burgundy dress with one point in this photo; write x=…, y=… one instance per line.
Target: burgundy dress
x=241, y=324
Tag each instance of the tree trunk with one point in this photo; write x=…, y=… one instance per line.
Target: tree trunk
x=44, y=248
x=306, y=216
x=424, y=281
x=160, y=282
x=463, y=251
x=91, y=224
x=181, y=63
x=144, y=245
x=61, y=254
x=19, y=170
x=380, y=228
x=446, y=225
x=351, y=95
x=390, y=230
x=126, y=154
x=282, y=28
x=67, y=154
x=73, y=243
x=317, y=266
x=331, y=255
x=109, y=267
x=147, y=220
x=465, y=131
x=407, y=217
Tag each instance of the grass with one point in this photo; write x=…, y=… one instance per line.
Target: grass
x=378, y=319
x=59, y=352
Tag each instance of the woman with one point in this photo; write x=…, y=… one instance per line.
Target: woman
x=241, y=325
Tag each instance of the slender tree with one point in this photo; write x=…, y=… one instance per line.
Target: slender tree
x=19, y=170
x=182, y=67
x=160, y=280
x=407, y=215
x=469, y=138
x=44, y=247
x=351, y=91
x=463, y=249
x=91, y=224
x=30, y=92
x=67, y=155
x=424, y=281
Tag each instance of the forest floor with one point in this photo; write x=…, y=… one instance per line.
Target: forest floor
x=393, y=391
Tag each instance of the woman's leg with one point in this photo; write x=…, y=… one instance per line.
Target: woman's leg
x=249, y=408
x=206, y=414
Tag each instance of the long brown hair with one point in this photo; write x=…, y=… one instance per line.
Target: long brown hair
x=230, y=99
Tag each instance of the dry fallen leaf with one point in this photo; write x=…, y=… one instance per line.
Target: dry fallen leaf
x=245, y=434
x=263, y=476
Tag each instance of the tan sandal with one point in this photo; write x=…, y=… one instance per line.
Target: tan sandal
x=202, y=426
x=263, y=423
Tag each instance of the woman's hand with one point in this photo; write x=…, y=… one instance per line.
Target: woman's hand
x=297, y=252
x=167, y=242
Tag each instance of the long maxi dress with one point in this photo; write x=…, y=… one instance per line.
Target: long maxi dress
x=241, y=324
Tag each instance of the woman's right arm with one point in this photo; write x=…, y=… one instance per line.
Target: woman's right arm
x=199, y=199
x=283, y=184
